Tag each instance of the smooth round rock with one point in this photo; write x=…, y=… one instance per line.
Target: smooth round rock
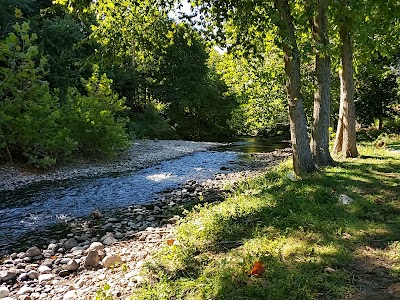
x=72, y=265
x=33, y=274
x=44, y=270
x=4, y=291
x=46, y=277
x=96, y=246
x=71, y=243
x=33, y=251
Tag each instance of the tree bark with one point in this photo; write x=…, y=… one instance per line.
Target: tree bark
x=302, y=159
x=346, y=135
x=322, y=96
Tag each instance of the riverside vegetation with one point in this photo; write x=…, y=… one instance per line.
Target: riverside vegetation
x=311, y=246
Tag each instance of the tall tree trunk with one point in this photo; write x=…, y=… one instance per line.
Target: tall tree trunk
x=322, y=96
x=302, y=159
x=346, y=141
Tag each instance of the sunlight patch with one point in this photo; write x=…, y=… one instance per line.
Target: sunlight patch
x=159, y=177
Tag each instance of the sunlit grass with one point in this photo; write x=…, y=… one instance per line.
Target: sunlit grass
x=306, y=240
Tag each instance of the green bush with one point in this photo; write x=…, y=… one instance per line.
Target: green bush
x=29, y=115
x=93, y=118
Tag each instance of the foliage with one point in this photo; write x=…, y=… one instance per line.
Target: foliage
x=61, y=41
x=93, y=118
x=376, y=92
x=29, y=115
x=151, y=123
x=303, y=237
x=257, y=84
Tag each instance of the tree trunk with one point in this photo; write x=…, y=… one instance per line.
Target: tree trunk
x=302, y=159
x=322, y=96
x=346, y=141
x=380, y=122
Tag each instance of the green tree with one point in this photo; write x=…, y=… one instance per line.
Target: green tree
x=93, y=118
x=29, y=115
x=377, y=92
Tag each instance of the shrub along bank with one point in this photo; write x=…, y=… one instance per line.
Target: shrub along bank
x=294, y=236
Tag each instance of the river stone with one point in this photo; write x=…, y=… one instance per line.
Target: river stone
x=33, y=274
x=108, y=227
x=35, y=295
x=72, y=265
x=52, y=247
x=48, y=262
x=63, y=273
x=23, y=277
x=8, y=275
x=25, y=297
x=33, y=251
x=65, y=260
x=111, y=260
x=46, y=277
x=109, y=241
x=71, y=243
x=24, y=290
x=96, y=246
x=37, y=257
x=32, y=266
x=44, y=270
x=118, y=235
x=70, y=295
x=77, y=248
x=344, y=199
x=4, y=291
x=92, y=259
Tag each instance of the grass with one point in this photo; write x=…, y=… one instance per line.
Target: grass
x=311, y=246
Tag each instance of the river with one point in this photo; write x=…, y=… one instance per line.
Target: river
x=39, y=207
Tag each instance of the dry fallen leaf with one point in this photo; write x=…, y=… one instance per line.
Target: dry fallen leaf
x=170, y=242
x=258, y=268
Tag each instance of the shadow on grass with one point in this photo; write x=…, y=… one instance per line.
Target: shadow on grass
x=311, y=246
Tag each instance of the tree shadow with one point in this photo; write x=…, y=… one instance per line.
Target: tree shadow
x=310, y=206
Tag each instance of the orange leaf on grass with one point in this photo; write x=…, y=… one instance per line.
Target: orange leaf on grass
x=258, y=268
x=170, y=242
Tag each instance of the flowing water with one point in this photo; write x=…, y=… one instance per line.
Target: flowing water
x=36, y=208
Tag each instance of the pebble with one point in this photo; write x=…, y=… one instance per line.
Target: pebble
x=45, y=277
x=4, y=291
x=72, y=265
x=44, y=270
x=32, y=274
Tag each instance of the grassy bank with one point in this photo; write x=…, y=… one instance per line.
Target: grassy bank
x=310, y=246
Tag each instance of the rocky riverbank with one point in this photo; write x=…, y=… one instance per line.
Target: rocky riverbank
x=104, y=253
x=142, y=153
